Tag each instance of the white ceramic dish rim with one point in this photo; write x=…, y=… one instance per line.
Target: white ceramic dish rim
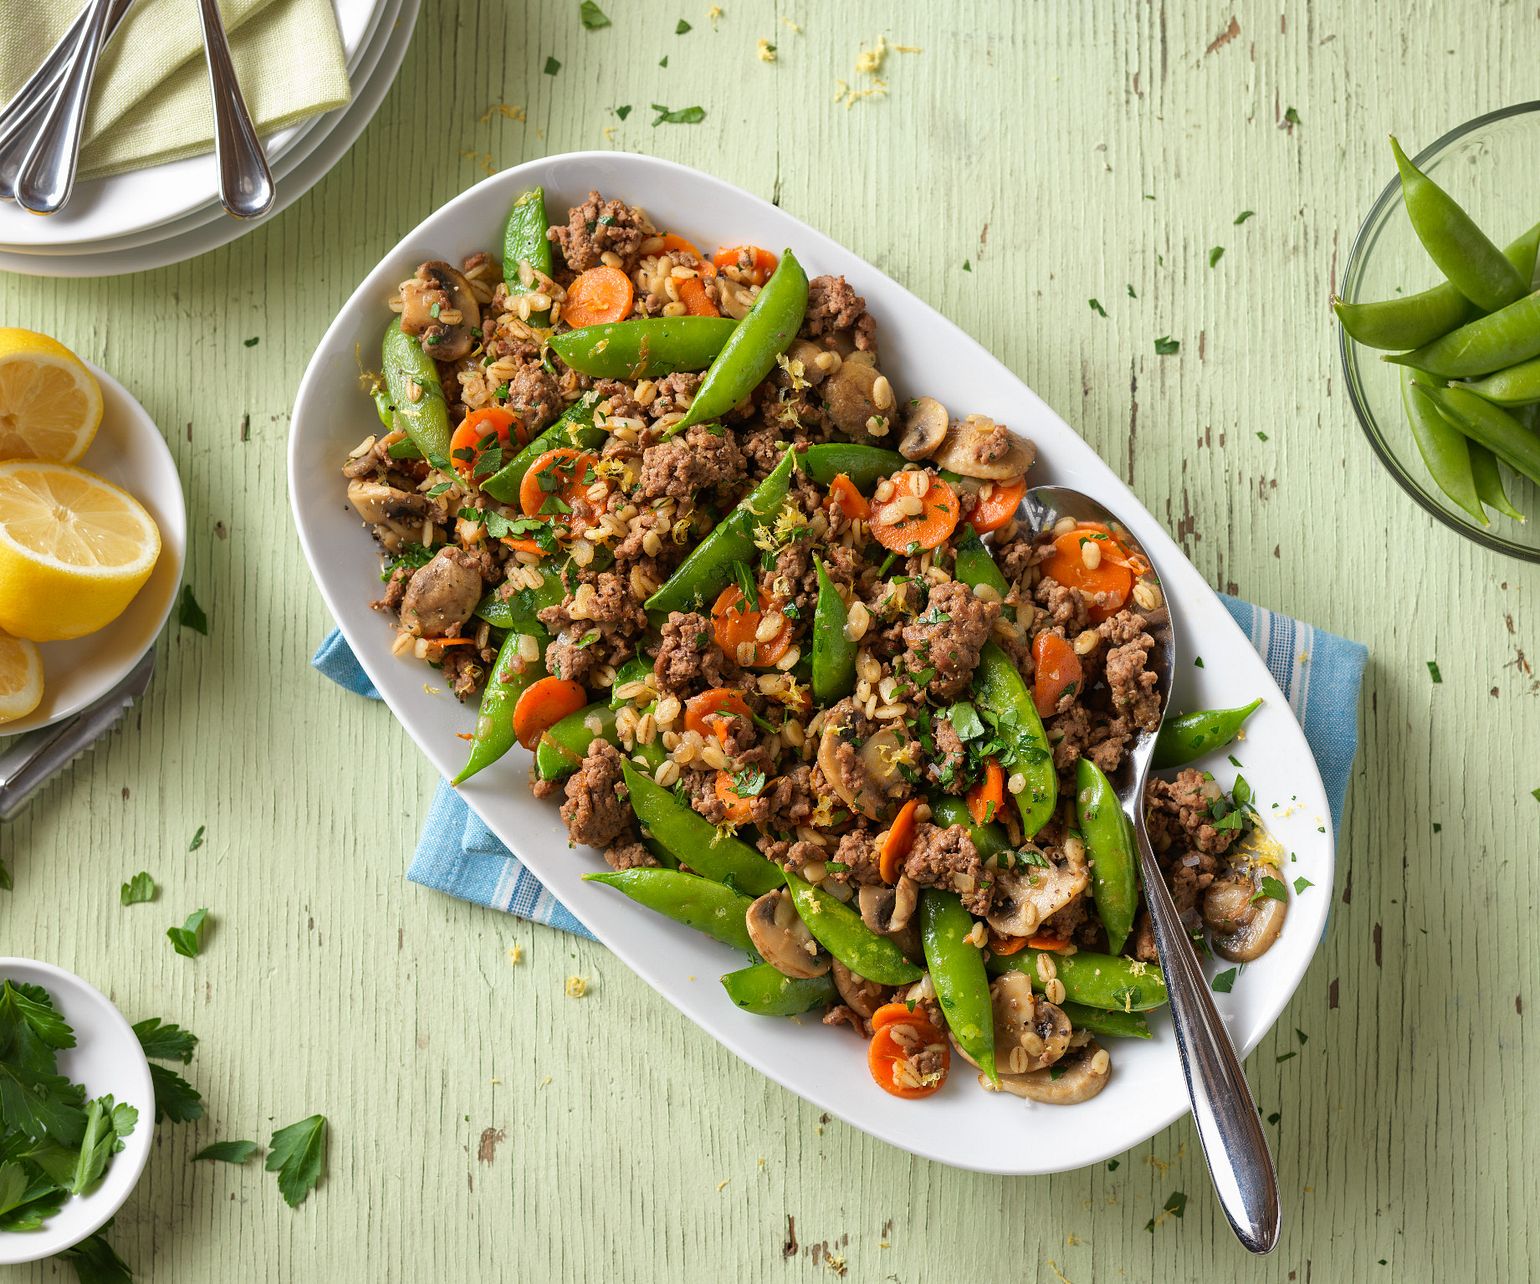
x=969, y=1133
x=159, y=487
x=138, y=199
x=301, y=170
x=95, y=1021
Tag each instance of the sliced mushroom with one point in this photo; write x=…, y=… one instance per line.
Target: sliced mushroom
x=1080, y=1077
x=979, y=447
x=865, y=776
x=1023, y=898
x=1030, y=1032
x=1227, y=905
x=861, y=996
x=806, y=352
x=887, y=910
x=441, y=595
x=1254, y=936
x=386, y=506
x=782, y=939
x=850, y=397
x=924, y=428
x=438, y=307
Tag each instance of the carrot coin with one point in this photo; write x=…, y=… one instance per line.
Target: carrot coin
x=543, y=704
x=598, y=296
x=920, y=513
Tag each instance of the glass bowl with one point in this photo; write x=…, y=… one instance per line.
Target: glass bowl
x=1488, y=165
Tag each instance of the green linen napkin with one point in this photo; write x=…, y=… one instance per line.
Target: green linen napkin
x=150, y=101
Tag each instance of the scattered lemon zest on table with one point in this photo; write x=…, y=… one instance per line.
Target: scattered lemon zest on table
x=544, y=1082
x=609, y=133
x=507, y=110
x=723, y=1183
x=484, y=159
x=1054, y=1267
x=714, y=14
x=495, y=1080
x=836, y=1263
x=427, y=690
x=514, y=954
x=794, y=27
x=576, y=987
x=764, y=50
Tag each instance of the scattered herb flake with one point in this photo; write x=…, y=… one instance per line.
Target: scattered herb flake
x=684, y=116
x=138, y=890
x=1301, y=883
x=1166, y=346
x=235, y=1152
x=297, y=1154
x=1131, y=293
x=1433, y=671
x=187, y=940
x=967, y=265
x=1301, y=1036
x=197, y=839
x=1224, y=982
x=1261, y=436
x=1439, y=829
x=1197, y=662
x=1272, y=889
x=552, y=66
x=593, y=18
x=682, y=28
x=189, y=614
x=1292, y=117
x=253, y=341
x=1112, y=1165
x=1274, y=1117
x=1214, y=255
x=1243, y=216
x=1097, y=308
x=1284, y=1056
x=623, y=110
x=663, y=61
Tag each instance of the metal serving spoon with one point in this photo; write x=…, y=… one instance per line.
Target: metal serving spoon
x=1222, y=1107
x=245, y=181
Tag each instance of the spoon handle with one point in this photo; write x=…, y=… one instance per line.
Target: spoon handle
x=47, y=173
x=1239, y=1162
x=245, y=181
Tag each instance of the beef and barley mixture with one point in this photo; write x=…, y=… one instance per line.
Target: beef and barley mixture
x=767, y=624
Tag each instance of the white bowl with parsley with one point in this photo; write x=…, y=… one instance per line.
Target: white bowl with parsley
x=91, y=1045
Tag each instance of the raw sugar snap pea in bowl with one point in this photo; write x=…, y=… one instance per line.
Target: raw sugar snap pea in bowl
x=1443, y=272
x=688, y=545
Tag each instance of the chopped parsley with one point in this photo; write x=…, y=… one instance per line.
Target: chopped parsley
x=965, y=721
x=253, y=341
x=552, y=66
x=1292, y=117
x=197, y=838
x=1284, y=1056
x=682, y=28
x=1175, y=1206
x=663, y=61
x=187, y=940
x=1243, y=216
x=967, y=265
x=138, y=890
x=1272, y=889
x=1197, y=662
x=1433, y=671
x=683, y=116
x=228, y=1152
x=189, y=614
x=1214, y=255
x=1301, y=883
x=746, y=587
x=749, y=783
x=1112, y=1165
x=623, y=110
x=1224, y=981
x=593, y=17
x=1131, y=293
x=1097, y=308
x=1261, y=436
x=1166, y=346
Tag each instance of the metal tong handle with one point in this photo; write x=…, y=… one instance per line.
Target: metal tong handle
x=47, y=173
x=245, y=181
x=1239, y=1161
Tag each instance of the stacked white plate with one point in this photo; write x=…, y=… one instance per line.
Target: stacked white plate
x=149, y=218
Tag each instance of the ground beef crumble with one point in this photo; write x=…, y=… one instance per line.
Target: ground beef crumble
x=688, y=656
x=598, y=226
x=629, y=856
x=595, y=813
x=948, y=636
x=947, y=858
x=834, y=306
x=701, y=462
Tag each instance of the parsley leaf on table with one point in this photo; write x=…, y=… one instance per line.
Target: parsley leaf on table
x=163, y=1041
x=297, y=1154
x=187, y=940
x=175, y=1098
x=189, y=614
x=139, y=889
x=1224, y=981
x=95, y=1262
x=228, y=1152
x=592, y=17
x=683, y=116
x=1166, y=346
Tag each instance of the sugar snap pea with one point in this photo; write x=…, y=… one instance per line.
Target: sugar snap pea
x=1493, y=342
x=525, y=241
x=633, y=670
x=1491, y=426
x=644, y=348
x=693, y=840
x=1109, y=839
x=1115, y=1025
x=576, y=428
x=1194, y=734
x=834, y=654
x=709, y=567
x=708, y=907
x=764, y=991
x=864, y=465
x=1516, y=386
x=1461, y=250
x=1488, y=478
x=561, y=748
x=975, y=565
x=1443, y=448
x=509, y=677
x=1106, y=981
x=521, y=608
x=957, y=971
x=750, y=351
x=839, y=929
x=1003, y=695
x=416, y=395
x=989, y=839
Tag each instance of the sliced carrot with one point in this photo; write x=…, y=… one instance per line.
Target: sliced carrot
x=692, y=293
x=888, y=1013
x=755, y=264
x=987, y=796
x=992, y=513
x=523, y=545
x=734, y=623
x=887, y=1054
x=1042, y=942
x=904, y=531
x=1111, y=579
x=479, y=432
x=710, y=712
x=563, y=475
x=899, y=839
x=740, y=810
x=599, y=295
x=453, y=641
x=1058, y=671
x=850, y=501
x=1004, y=945
x=543, y=704
x=673, y=243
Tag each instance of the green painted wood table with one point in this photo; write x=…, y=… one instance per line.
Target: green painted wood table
x=1023, y=159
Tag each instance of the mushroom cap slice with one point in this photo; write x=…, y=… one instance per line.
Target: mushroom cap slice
x=435, y=289
x=925, y=428
x=866, y=777
x=863, y=997
x=1227, y=905
x=960, y=451
x=1030, y=1032
x=848, y=397
x=386, y=506
x=1081, y=1076
x=782, y=939
x=440, y=595
x=1253, y=938
x=887, y=910
x=1023, y=898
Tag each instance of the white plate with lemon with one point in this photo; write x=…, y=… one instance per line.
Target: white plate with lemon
x=93, y=532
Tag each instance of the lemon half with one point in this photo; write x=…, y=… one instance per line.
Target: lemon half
x=50, y=404
x=21, y=678
x=74, y=549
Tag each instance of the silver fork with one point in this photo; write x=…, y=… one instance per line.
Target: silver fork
x=1239, y=1162
x=245, y=181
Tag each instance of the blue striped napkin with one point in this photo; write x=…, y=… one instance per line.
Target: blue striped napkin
x=1319, y=672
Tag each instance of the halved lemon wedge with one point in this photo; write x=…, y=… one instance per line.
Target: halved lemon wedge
x=50, y=404
x=74, y=549
x=21, y=678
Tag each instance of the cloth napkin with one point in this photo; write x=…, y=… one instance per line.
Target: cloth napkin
x=1319, y=672
x=150, y=99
